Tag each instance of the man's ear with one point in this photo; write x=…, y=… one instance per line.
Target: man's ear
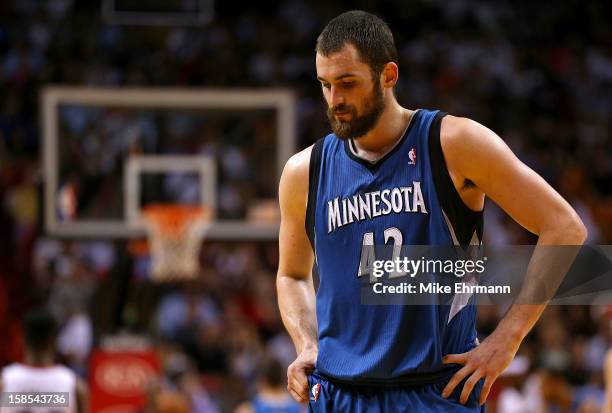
x=389, y=75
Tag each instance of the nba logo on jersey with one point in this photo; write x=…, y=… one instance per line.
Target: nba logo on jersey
x=315, y=392
x=412, y=156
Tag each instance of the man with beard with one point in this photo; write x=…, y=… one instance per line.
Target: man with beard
x=391, y=175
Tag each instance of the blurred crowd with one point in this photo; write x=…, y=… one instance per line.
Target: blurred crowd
x=539, y=74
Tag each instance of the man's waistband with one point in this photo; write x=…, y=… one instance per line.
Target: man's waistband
x=405, y=381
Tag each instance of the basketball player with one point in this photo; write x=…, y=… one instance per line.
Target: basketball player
x=271, y=394
x=39, y=373
x=391, y=175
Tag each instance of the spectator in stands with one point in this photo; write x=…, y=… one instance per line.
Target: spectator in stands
x=39, y=372
x=271, y=395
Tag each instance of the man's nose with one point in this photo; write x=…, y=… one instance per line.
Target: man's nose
x=336, y=97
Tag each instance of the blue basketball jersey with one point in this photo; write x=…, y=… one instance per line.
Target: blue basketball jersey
x=398, y=199
x=260, y=405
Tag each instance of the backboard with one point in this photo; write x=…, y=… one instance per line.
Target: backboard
x=100, y=144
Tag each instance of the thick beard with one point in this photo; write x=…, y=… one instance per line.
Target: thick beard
x=358, y=126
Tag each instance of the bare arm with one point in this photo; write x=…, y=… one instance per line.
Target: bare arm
x=607, y=404
x=82, y=396
x=296, y=297
x=475, y=153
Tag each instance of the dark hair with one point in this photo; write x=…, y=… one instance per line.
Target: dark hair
x=40, y=330
x=272, y=372
x=369, y=34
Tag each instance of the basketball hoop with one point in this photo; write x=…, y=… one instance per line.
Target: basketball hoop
x=175, y=233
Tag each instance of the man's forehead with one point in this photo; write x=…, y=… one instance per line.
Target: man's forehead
x=346, y=60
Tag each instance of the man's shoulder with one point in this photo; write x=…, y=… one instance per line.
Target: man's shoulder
x=293, y=187
x=21, y=368
x=454, y=127
x=10, y=368
x=298, y=163
x=462, y=135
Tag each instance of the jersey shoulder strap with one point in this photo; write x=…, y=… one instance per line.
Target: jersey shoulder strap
x=463, y=222
x=313, y=184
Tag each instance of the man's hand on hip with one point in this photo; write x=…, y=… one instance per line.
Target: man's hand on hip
x=486, y=361
x=297, y=374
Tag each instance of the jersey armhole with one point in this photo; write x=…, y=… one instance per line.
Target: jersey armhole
x=463, y=222
x=313, y=184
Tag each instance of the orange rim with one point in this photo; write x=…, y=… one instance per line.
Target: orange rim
x=170, y=220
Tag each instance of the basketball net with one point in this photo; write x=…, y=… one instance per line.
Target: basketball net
x=175, y=233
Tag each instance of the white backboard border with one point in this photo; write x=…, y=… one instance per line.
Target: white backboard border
x=52, y=97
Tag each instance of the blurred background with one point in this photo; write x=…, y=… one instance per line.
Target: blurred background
x=537, y=73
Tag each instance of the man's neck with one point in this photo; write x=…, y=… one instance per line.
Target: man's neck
x=271, y=392
x=388, y=131
x=39, y=359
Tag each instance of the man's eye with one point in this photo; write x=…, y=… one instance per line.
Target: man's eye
x=348, y=84
x=326, y=86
